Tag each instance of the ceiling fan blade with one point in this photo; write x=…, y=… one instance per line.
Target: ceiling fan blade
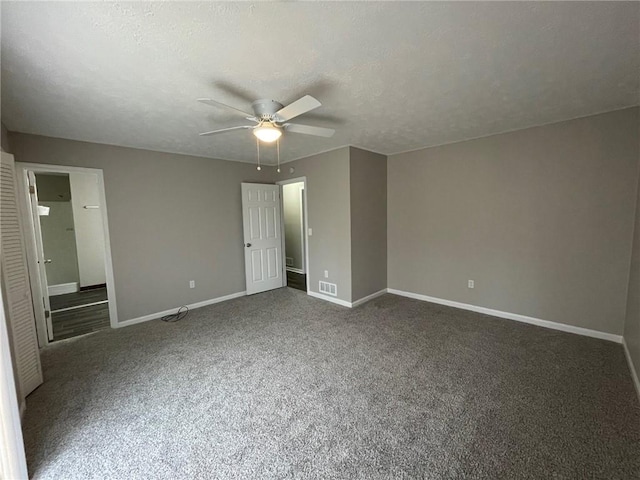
x=300, y=106
x=309, y=130
x=222, y=130
x=215, y=103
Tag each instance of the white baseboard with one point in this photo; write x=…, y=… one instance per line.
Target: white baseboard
x=295, y=270
x=63, y=288
x=344, y=303
x=204, y=303
x=335, y=300
x=634, y=373
x=368, y=297
x=512, y=316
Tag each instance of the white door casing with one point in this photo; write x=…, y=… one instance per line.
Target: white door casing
x=262, y=237
x=305, y=226
x=42, y=271
x=24, y=201
x=293, y=219
x=16, y=289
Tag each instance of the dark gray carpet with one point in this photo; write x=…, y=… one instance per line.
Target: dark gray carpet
x=281, y=385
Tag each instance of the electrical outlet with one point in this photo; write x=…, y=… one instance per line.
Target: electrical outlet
x=471, y=284
x=326, y=274
x=310, y=231
x=192, y=284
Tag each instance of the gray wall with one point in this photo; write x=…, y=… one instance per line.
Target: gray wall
x=89, y=228
x=172, y=218
x=368, y=190
x=541, y=219
x=632, y=322
x=329, y=216
x=4, y=138
x=59, y=243
x=53, y=188
x=293, y=223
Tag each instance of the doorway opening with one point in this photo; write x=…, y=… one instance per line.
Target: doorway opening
x=69, y=256
x=73, y=249
x=295, y=233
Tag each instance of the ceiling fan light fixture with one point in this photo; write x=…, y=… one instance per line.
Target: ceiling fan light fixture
x=267, y=133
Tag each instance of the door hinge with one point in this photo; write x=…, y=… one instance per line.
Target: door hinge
x=32, y=189
x=47, y=314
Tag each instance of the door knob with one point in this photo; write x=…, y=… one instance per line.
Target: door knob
x=48, y=260
x=248, y=245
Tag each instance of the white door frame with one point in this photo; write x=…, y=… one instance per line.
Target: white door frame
x=306, y=225
x=23, y=199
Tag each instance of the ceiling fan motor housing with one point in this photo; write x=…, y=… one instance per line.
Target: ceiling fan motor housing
x=265, y=110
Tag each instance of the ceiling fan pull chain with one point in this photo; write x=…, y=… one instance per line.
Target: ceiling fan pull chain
x=278, y=148
x=258, y=146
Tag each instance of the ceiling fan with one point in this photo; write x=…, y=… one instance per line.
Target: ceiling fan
x=272, y=118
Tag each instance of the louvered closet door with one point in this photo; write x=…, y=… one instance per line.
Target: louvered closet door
x=15, y=284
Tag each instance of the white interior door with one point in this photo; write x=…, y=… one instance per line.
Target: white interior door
x=262, y=237
x=16, y=290
x=42, y=271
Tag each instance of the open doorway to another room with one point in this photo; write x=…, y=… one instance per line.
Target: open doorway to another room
x=69, y=259
x=293, y=207
x=73, y=248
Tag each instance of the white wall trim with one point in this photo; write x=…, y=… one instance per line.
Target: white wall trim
x=337, y=301
x=76, y=307
x=357, y=303
x=634, y=373
x=295, y=270
x=344, y=303
x=204, y=303
x=513, y=316
x=63, y=288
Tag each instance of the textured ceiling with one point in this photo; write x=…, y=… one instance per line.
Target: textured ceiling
x=391, y=76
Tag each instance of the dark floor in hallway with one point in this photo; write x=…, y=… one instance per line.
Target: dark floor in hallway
x=297, y=280
x=79, y=321
x=71, y=318
x=75, y=299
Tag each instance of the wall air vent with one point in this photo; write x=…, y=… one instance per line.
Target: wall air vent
x=329, y=288
x=289, y=261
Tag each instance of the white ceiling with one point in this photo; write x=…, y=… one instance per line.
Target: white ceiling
x=391, y=76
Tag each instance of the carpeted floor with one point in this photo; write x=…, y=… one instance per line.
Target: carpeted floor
x=282, y=385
